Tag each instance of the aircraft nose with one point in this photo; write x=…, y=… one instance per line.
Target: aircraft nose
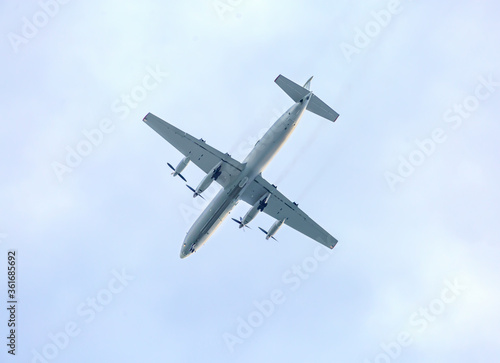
x=186, y=246
x=184, y=251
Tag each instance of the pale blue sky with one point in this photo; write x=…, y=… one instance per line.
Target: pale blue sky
x=210, y=72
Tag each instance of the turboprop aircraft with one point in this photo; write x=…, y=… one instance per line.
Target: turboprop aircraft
x=243, y=181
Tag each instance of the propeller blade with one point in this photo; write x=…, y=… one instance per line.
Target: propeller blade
x=194, y=191
x=244, y=225
x=182, y=177
x=240, y=222
x=171, y=167
x=263, y=230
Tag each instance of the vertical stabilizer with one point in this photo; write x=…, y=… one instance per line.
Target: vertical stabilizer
x=307, y=85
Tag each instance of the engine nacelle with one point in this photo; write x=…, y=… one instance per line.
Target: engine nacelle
x=274, y=228
x=257, y=207
x=208, y=179
x=204, y=184
x=181, y=166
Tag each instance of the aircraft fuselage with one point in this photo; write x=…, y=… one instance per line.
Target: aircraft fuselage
x=256, y=161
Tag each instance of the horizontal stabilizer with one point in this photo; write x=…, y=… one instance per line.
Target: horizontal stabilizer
x=321, y=109
x=297, y=92
x=291, y=88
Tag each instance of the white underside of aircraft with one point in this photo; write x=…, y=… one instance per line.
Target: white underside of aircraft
x=243, y=181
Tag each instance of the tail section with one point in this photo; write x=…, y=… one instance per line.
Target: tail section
x=322, y=109
x=297, y=92
x=307, y=85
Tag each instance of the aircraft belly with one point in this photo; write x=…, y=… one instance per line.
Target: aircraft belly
x=215, y=213
x=269, y=145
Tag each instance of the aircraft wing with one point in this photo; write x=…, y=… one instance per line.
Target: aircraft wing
x=280, y=207
x=204, y=156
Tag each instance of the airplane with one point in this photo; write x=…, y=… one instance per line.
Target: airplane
x=243, y=181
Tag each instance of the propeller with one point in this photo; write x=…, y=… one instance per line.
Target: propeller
x=240, y=222
x=194, y=191
x=171, y=167
x=263, y=230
